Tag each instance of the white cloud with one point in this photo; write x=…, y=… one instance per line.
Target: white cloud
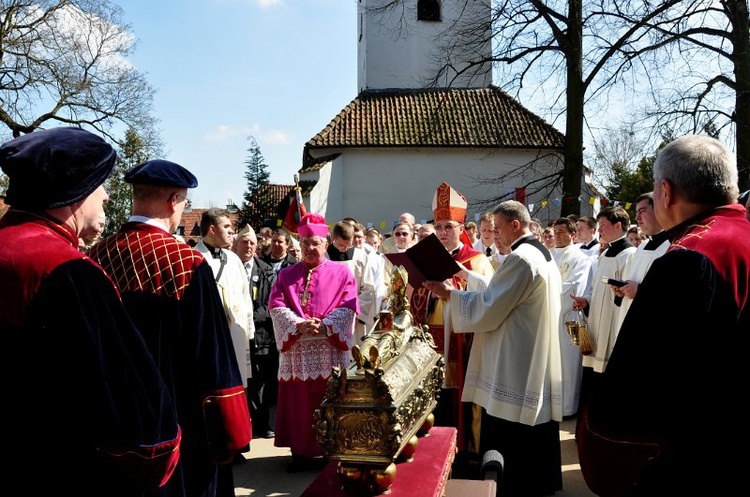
x=228, y=132
x=224, y=132
x=275, y=137
x=267, y=4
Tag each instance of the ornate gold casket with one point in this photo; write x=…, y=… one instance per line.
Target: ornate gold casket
x=375, y=411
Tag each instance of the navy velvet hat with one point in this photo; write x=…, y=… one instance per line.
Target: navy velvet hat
x=162, y=173
x=55, y=167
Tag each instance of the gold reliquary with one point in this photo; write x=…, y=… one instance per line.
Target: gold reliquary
x=375, y=412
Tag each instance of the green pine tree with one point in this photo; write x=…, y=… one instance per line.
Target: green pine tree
x=258, y=203
x=133, y=151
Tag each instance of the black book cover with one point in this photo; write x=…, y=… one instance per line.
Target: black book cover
x=427, y=260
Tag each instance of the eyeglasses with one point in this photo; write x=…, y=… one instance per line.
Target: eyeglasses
x=188, y=203
x=400, y=233
x=445, y=227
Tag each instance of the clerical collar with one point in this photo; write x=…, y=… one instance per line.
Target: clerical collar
x=215, y=252
x=656, y=240
x=617, y=246
x=534, y=242
x=590, y=245
x=455, y=251
x=517, y=241
x=336, y=255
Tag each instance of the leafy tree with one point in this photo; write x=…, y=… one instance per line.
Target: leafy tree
x=627, y=183
x=65, y=62
x=4, y=180
x=258, y=202
x=616, y=153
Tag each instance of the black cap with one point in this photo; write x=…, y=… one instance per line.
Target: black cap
x=162, y=173
x=55, y=167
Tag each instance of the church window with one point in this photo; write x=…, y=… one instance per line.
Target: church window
x=428, y=10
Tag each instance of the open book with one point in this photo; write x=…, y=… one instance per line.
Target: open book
x=427, y=260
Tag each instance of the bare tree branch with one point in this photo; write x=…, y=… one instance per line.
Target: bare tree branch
x=65, y=61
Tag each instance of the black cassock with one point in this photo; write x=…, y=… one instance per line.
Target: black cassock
x=678, y=369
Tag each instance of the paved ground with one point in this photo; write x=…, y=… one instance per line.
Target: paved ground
x=264, y=474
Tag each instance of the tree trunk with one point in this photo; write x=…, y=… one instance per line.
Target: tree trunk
x=575, y=94
x=742, y=92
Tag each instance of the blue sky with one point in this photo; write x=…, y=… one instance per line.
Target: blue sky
x=224, y=70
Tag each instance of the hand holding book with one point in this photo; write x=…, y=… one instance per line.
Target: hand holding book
x=427, y=260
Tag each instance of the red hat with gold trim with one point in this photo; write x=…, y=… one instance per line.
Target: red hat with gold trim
x=448, y=204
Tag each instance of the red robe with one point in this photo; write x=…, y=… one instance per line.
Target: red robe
x=170, y=293
x=77, y=376
x=427, y=309
x=681, y=358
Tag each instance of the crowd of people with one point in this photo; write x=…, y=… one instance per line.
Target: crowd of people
x=181, y=355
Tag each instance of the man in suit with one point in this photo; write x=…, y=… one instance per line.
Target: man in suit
x=263, y=385
x=279, y=258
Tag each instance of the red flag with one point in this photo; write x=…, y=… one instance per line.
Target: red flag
x=296, y=209
x=464, y=237
x=521, y=195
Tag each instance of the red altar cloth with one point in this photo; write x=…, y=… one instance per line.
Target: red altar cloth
x=424, y=476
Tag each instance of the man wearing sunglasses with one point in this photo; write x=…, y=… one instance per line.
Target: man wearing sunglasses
x=449, y=211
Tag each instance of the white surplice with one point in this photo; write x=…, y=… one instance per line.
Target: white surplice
x=603, y=318
x=234, y=289
x=574, y=268
x=514, y=369
x=636, y=269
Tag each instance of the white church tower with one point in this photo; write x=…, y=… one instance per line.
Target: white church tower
x=404, y=44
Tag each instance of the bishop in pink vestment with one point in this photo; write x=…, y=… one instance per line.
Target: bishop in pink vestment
x=313, y=305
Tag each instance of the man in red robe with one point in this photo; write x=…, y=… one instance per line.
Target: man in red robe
x=449, y=211
x=681, y=354
x=77, y=375
x=170, y=292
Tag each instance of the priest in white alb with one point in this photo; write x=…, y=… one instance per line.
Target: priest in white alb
x=514, y=370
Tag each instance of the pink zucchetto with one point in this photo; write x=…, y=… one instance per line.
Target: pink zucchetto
x=312, y=225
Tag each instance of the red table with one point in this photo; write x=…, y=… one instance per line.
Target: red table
x=424, y=476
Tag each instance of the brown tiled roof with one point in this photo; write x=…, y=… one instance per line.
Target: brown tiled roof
x=277, y=192
x=481, y=117
x=190, y=223
x=315, y=164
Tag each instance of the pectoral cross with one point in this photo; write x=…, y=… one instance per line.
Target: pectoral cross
x=304, y=297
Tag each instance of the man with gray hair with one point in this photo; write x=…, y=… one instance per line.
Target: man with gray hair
x=514, y=370
x=263, y=384
x=77, y=375
x=681, y=352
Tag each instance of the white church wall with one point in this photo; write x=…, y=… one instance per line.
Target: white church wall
x=376, y=186
x=395, y=50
